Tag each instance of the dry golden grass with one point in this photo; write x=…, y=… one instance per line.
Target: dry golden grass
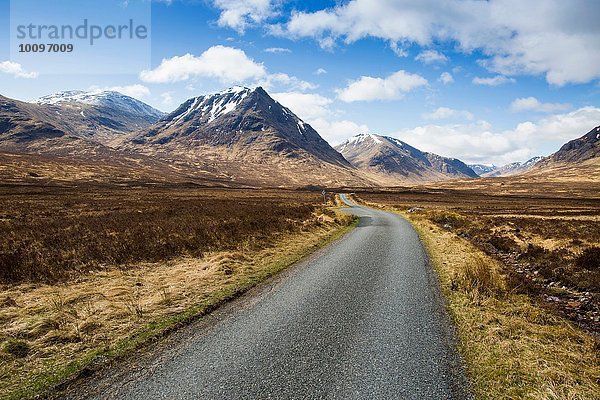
x=513, y=349
x=50, y=330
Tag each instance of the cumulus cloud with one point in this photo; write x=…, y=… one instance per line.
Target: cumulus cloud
x=561, y=42
x=167, y=98
x=227, y=64
x=308, y=106
x=315, y=109
x=446, y=78
x=136, y=91
x=493, y=81
x=393, y=87
x=320, y=71
x=533, y=104
x=448, y=113
x=479, y=142
x=286, y=80
x=337, y=132
x=431, y=56
x=241, y=14
x=16, y=70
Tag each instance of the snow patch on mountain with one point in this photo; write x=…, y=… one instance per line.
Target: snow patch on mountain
x=110, y=99
x=210, y=107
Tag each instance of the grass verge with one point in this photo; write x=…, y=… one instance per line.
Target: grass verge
x=85, y=338
x=513, y=348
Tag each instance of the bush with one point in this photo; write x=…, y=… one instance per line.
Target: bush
x=17, y=348
x=503, y=243
x=589, y=259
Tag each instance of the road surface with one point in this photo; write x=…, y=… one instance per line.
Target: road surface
x=361, y=319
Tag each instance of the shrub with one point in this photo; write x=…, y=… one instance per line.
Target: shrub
x=589, y=259
x=17, y=348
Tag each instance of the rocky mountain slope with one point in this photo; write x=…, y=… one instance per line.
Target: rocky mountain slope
x=248, y=123
x=394, y=158
x=578, y=150
x=249, y=136
x=100, y=116
x=481, y=169
x=30, y=128
x=576, y=160
x=515, y=168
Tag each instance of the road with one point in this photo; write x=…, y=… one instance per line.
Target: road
x=361, y=319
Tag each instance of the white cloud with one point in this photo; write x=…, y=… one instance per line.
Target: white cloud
x=493, y=81
x=278, y=50
x=241, y=14
x=167, y=98
x=320, y=71
x=479, y=143
x=286, y=80
x=315, y=109
x=446, y=78
x=448, y=113
x=336, y=132
x=308, y=106
x=228, y=64
x=393, y=87
x=136, y=91
x=533, y=104
x=431, y=56
x=561, y=42
x=16, y=70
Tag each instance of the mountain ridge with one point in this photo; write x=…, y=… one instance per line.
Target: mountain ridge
x=393, y=157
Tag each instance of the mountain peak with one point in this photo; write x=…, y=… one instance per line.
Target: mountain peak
x=242, y=120
x=394, y=157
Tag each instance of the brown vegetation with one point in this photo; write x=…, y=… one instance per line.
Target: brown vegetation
x=50, y=234
x=547, y=237
x=512, y=347
x=147, y=261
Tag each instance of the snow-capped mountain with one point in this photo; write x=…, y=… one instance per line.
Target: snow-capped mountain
x=101, y=116
x=239, y=123
x=109, y=99
x=481, y=169
x=515, y=168
x=392, y=156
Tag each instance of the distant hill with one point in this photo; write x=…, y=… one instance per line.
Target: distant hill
x=481, y=169
x=515, y=168
x=576, y=160
x=101, y=116
x=390, y=156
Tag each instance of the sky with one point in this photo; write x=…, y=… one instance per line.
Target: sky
x=487, y=82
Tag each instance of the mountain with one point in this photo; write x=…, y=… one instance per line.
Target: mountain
x=248, y=135
x=481, y=169
x=28, y=128
x=515, y=168
x=578, y=150
x=577, y=160
x=100, y=116
x=246, y=122
x=392, y=157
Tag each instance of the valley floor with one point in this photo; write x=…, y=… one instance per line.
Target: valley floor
x=518, y=264
x=84, y=281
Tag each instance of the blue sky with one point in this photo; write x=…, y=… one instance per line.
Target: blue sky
x=490, y=82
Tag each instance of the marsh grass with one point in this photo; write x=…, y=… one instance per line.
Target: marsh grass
x=513, y=348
